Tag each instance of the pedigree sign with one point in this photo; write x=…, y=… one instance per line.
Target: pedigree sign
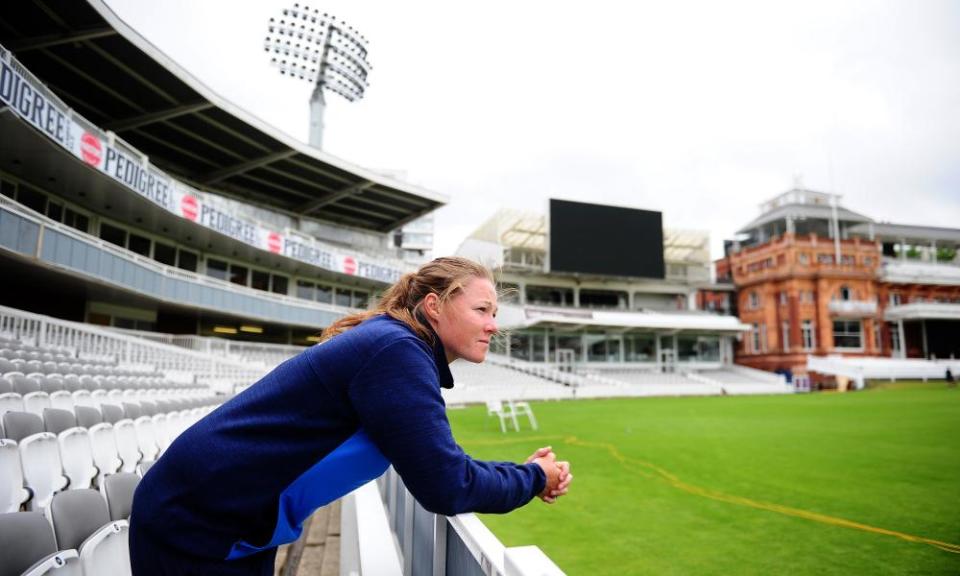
x=26, y=98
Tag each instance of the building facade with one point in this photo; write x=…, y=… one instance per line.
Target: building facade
x=813, y=278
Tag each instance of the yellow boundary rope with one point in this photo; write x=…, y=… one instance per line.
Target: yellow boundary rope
x=650, y=470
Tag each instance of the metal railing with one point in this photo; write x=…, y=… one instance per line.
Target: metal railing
x=399, y=537
x=86, y=340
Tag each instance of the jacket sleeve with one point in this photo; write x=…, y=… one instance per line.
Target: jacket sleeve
x=397, y=397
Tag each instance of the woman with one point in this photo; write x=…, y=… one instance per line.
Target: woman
x=241, y=481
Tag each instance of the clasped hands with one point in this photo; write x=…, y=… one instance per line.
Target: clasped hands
x=558, y=474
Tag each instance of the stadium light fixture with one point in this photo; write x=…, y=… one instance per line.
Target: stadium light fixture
x=317, y=47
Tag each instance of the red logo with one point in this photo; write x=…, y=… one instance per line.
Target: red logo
x=188, y=207
x=90, y=149
x=349, y=266
x=273, y=242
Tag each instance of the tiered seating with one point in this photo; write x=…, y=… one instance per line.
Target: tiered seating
x=477, y=383
x=742, y=380
x=76, y=434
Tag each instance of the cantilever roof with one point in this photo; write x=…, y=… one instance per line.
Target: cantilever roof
x=112, y=76
x=801, y=211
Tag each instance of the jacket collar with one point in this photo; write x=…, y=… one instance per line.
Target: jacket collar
x=439, y=355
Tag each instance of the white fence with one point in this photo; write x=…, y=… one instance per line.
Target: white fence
x=861, y=369
x=399, y=537
x=86, y=340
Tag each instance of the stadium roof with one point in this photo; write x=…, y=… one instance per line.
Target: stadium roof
x=118, y=80
x=804, y=211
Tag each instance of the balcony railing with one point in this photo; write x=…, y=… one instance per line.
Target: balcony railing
x=911, y=271
x=35, y=236
x=853, y=307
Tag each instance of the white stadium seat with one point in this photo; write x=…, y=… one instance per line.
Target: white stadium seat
x=127, y=446
x=76, y=453
x=42, y=468
x=12, y=492
x=105, y=456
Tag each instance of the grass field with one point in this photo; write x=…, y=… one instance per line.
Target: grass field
x=806, y=484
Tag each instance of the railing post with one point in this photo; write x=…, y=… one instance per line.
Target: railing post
x=440, y=546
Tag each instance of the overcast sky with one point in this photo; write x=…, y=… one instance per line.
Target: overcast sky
x=701, y=110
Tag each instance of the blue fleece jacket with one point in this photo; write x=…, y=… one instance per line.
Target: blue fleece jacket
x=245, y=477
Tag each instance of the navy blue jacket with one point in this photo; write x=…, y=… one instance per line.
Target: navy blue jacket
x=245, y=477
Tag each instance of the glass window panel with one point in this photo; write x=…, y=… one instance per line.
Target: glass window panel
x=32, y=199
x=164, y=253
x=187, y=261
x=279, y=284
x=324, y=294
x=140, y=245
x=260, y=280
x=306, y=290
x=360, y=299
x=113, y=235
x=343, y=297
x=216, y=268
x=55, y=211
x=238, y=274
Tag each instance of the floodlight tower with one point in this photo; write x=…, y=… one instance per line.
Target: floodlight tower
x=316, y=47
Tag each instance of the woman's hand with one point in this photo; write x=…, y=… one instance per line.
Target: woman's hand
x=557, y=473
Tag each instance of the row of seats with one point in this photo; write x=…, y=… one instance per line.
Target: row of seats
x=84, y=533
x=34, y=381
x=37, y=400
x=9, y=363
x=75, y=450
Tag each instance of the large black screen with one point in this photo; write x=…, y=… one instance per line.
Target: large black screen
x=606, y=240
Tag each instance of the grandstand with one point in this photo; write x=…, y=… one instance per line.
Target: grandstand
x=593, y=333
x=167, y=249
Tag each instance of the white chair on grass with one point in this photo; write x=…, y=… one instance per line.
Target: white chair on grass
x=496, y=408
x=522, y=408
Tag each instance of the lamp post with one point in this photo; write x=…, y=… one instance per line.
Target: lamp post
x=314, y=46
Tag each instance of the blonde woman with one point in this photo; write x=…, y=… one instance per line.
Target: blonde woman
x=241, y=481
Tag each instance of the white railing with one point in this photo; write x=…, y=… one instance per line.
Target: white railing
x=910, y=271
x=154, y=266
x=266, y=353
x=860, y=369
x=94, y=341
x=400, y=537
x=853, y=307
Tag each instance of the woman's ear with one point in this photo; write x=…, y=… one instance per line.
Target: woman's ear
x=431, y=306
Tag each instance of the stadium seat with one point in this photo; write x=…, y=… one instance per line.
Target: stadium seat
x=118, y=490
x=56, y=421
x=111, y=413
x=19, y=425
x=61, y=400
x=87, y=416
x=30, y=549
x=42, y=468
x=146, y=437
x=81, y=520
x=76, y=455
x=12, y=492
x=6, y=366
x=145, y=466
x=10, y=402
x=127, y=446
x=132, y=410
x=105, y=456
x=36, y=402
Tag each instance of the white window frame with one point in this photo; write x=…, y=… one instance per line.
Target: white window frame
x=848, y=321
x=785, y=335
x=808, y=334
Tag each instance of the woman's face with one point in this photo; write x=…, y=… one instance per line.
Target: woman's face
x=466, y=322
